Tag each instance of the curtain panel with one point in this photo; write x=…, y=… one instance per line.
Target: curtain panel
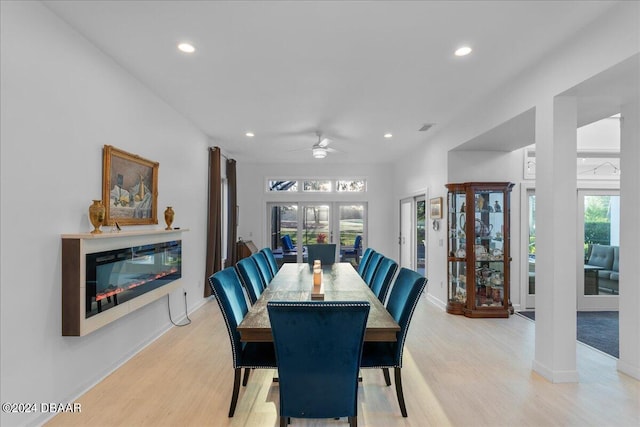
x=214, y=219
x=232, y=214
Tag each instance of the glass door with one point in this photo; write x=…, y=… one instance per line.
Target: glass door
x=351, y=231
x=598, y=273
x=530, y=281
x=421, y=236
x=283, y=231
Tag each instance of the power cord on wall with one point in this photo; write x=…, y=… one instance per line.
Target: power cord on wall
x=185, y=311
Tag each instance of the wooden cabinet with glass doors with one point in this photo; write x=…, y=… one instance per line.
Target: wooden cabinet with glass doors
x=478, y=249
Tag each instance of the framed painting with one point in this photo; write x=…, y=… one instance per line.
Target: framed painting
x=129, y=188
x=435, y=208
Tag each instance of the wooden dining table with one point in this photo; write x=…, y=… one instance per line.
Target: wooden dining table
x=340, y=282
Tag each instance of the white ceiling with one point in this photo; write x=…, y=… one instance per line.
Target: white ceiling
x=352, y=70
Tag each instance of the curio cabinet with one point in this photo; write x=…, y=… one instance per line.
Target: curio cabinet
x=478, y=249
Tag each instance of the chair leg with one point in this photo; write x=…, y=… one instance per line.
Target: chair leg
x=387, y=378
x=245, y=379
x=236, y=390
x=353, y=421
x=398, y=379
x=284, y=421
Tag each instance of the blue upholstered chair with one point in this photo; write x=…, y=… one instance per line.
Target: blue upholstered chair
x=251, y=277
x=364, y=261
x=355, y=251
x=263, y=266
x=271, y=259
x=227, y=289
x=382, y=278
x=403, y=298
x=372, y=265
x=318, y=348
x=325, y=252
x=287, y=243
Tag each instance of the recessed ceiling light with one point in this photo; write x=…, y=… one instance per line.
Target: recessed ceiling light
x=388, y=135
x=250, y=134
x=186, y=47
x=463, y=51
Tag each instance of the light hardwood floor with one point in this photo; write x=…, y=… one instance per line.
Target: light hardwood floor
x=457, y=371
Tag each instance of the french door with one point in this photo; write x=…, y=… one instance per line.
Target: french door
x=412, y=238
x=598, y=221
x=308, y=223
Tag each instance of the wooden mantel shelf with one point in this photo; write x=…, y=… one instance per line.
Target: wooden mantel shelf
x=122, y=234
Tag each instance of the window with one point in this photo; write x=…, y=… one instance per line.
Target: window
x=309, y=185
x=317, y=186
x=353, y=185
x=282, y=185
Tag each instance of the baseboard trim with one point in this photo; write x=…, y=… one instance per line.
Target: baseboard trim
x=555, y=376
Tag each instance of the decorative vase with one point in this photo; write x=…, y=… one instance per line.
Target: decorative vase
x=168, y=217
x=97, y=213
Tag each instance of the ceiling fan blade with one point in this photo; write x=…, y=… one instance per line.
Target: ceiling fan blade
x=324, y=142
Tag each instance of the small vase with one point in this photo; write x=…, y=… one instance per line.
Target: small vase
x=96, y=216
x=168, y=217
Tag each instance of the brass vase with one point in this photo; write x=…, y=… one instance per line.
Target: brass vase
x=168, y=217
x=97, y=213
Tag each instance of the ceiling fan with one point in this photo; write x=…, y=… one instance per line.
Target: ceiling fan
x=321, y=148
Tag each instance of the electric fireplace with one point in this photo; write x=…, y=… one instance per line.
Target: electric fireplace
x=107, y=276
x=116, y=276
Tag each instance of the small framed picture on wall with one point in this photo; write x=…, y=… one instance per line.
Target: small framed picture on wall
x=435, y=208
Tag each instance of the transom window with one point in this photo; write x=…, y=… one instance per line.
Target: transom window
x=317, y=185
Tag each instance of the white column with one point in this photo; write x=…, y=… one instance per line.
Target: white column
x=629, y=360
x=556, y=234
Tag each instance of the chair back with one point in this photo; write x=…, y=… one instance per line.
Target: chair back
x=271, y=259
x=372, y=265
x=287, y=243
x=227, y=289
x=357, y=244
x=325, y=252
x=263, y=267
x=382, y=278
x=402, y=301
x=250, y=275
x=364, y=261
x=318, y=349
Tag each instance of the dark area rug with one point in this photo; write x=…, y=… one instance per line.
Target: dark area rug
x=598, y=329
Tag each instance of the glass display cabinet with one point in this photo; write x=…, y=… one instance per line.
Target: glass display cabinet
x=478, y=249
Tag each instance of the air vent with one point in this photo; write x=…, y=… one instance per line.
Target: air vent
x=425, y=127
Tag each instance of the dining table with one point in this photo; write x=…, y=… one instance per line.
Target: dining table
x=340, y=282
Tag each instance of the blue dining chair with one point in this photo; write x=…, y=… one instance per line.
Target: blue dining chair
x=325, y=252
x=401, y=304
x=372, y=265
x=355, y=251
x=227, y=289
x=318, y=347
x=251, y=277
x=263, y=266
x=364, y=261
x=271, y=259
x=287, y=243
x=382, y=278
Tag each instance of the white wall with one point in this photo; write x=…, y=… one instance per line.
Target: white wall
x=253, y=199
x=62, y=100
x=609, y=40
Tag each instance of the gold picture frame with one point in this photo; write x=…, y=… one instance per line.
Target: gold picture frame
x=129, y=188
x=435, y=208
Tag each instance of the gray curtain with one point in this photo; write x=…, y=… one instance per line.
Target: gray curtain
x=214, y=220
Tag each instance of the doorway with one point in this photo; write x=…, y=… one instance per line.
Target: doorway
x=412, y=239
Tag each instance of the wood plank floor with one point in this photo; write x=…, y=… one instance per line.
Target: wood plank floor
x=457, y=372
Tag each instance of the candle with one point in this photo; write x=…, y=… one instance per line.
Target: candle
x=317, y=277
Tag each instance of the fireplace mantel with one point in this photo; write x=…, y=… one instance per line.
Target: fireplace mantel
x=86, y=306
